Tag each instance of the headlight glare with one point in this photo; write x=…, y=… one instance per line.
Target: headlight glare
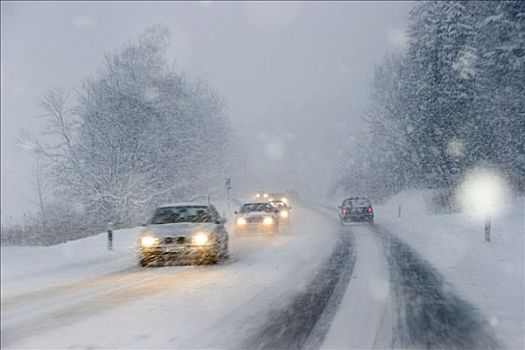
x=200, y=238
x=284, y=213
x=241, y=221
x=268, y=220
x=149, y=241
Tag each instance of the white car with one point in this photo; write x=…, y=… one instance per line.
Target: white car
x=187, y=232
x=257, y=217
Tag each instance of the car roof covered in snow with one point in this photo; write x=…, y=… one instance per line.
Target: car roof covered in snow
x=256, y=202
x=184, y=204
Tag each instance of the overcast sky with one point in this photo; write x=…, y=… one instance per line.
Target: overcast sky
x=263, y=58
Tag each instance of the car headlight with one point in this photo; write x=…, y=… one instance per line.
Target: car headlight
x=265, y=195
x=241, y=221
x=200, y=238
x=258, y=195
x=284, y=213
x=268, y=220
x=148, y=241
x=284, y=199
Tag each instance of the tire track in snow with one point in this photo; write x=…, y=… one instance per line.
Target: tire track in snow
x=292, y=327
x=116, y=296
x=61, y=289
x=364, y=316
x=429, y=314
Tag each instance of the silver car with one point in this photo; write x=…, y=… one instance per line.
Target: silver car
x=257, y=217
x=185, y=232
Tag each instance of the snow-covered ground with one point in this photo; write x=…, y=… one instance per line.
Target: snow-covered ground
x=364, y=318
x=78, y=294
x=488, y=275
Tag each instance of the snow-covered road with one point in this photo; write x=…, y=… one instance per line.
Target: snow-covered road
x=166, y=307
x=397, y=299
x=316, y=285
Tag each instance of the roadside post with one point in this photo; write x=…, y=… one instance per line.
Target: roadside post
x=487, y=228
x=228, y=185
x=481, y=193
x=110, y=236
x=399, y=211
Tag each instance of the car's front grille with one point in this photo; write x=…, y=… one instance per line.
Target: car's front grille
x=254, y=220
x=172, y=240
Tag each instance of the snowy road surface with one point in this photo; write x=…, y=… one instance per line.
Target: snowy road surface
x=167, y=307
x=316, y=285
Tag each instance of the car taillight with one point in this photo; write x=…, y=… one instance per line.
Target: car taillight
x=369, y=210
x=343, y=210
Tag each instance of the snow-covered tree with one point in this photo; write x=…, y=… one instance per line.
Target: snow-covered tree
x=137, y=134
x=499, y=136
x=454, y=101
x=440, y=86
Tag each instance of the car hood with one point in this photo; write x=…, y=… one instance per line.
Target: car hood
x=182, y=229
x=256, y=214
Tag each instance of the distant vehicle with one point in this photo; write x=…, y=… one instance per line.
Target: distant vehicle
x=260, y=196
x=356, y=209
x=284, y=211
x=279, y=196
x=188, y=232
x=257, y=217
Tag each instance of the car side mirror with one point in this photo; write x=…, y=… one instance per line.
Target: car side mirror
x=236, y=212
x=290, y=208
x=276, y=211
x=220, y=221
x=144, y=224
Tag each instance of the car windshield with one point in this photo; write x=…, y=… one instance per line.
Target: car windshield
x=251, y=207
x=169, y=215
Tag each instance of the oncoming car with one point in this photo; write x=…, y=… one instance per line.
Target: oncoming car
x=260, y=196
x=356, y=209
x=185, y=232
x=283, y=197
x=257, y=217
x=284, y=211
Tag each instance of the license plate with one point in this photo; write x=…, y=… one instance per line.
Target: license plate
x=176, y=249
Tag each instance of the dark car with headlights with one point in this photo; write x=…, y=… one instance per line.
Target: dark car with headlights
x=184, y=232
x=356, y=209
x=257, y=217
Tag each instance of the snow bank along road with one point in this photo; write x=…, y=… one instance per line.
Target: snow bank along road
x=316, y=285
